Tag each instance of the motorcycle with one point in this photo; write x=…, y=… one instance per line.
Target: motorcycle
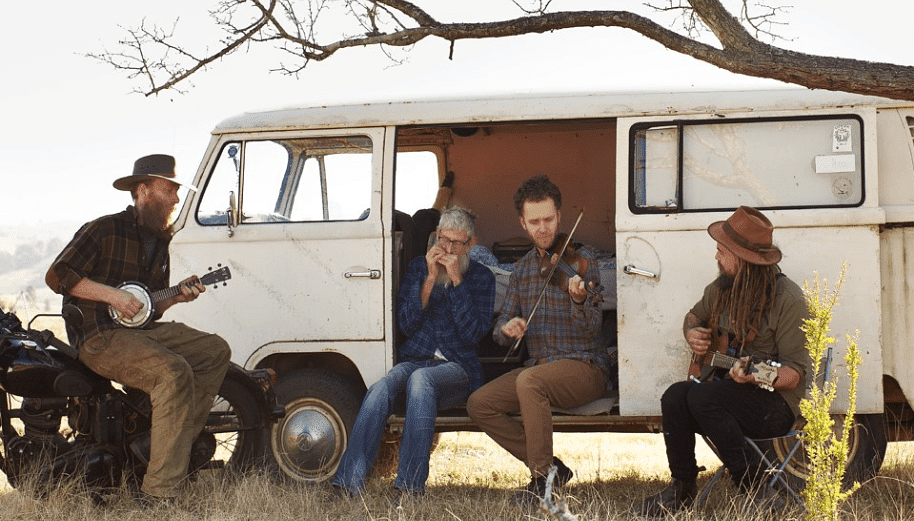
x=71, y=423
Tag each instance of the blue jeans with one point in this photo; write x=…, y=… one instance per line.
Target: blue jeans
x=430, y=385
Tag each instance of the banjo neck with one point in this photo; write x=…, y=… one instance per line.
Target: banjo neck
x=167, y=293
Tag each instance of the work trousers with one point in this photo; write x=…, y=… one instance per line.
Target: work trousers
x=531, y=392
x=724, y=411
x=181, y=369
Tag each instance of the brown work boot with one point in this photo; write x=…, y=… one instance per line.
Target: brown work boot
x=676, y=496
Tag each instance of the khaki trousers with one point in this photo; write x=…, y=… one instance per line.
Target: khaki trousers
x=181, y=369
x=531, y=391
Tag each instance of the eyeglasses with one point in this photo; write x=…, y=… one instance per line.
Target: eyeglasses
x=445, y=242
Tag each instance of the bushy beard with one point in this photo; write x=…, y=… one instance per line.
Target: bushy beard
x=155, y=216
x=444, y=279
x=724, y=281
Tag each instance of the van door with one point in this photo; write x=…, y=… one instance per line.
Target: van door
x=812, y=174
x=297, y=217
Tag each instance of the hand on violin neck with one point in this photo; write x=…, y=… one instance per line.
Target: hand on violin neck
x=577, y=289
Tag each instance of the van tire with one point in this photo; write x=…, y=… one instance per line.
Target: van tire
x=321, y=407
x=865, y=455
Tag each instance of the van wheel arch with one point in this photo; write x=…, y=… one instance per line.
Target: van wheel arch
x=321, y=407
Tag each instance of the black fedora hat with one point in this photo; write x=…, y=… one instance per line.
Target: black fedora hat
x=148, y=167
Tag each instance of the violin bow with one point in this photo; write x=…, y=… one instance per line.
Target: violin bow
x=546, y=285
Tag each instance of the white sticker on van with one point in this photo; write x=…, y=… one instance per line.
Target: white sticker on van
x=836, y=164
x=841, y=139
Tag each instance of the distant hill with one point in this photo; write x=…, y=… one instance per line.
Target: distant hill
x=25, y=254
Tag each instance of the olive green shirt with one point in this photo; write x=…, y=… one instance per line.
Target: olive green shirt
x=779, y=339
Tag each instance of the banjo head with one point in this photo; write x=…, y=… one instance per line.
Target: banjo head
x=144, y=316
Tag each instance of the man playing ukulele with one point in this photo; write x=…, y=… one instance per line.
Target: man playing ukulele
x=756, y=311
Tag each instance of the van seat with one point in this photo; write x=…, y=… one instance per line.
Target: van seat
x=599, y=406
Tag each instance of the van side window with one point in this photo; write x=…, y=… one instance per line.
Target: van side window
x=291, y=180
x=771, y=163
x=417, y=180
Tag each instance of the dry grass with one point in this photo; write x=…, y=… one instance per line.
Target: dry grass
x=471, y=479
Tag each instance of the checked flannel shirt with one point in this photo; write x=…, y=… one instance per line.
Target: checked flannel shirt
x=108, y=250
x=560, y=328
x=454, y=321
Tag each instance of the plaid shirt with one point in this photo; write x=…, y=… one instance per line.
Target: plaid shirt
x=108, y=250
x=454, y=321
x=560, y=328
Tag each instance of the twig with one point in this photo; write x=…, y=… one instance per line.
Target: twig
x=560, y=509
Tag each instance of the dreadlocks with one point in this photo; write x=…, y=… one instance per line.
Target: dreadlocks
x=745, y=301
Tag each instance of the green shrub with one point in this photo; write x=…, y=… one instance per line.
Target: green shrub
x=826, y=450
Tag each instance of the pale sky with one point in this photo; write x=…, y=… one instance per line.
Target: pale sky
x=71, y=125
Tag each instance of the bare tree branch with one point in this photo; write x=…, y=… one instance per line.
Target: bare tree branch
x=151, y=54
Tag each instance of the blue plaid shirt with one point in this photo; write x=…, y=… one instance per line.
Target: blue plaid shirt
x=560, y=328
x=455, y=320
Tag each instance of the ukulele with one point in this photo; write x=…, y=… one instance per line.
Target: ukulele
x=149, y=299
x=702, y=367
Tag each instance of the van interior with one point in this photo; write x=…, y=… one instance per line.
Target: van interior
x=485, y=165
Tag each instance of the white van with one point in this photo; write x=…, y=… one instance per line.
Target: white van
x=308, y=206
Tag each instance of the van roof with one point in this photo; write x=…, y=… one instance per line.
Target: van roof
x=541, y=106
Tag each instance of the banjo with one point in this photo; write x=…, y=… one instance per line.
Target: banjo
x=149, y=300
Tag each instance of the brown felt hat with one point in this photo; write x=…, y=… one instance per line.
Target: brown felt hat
x=747, y=233
x=148, y=167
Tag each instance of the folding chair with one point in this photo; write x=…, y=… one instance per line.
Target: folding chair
x=776, y=472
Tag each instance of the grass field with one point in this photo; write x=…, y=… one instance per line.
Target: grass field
x=471, y=479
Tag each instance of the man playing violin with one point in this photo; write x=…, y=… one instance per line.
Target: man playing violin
x=179, y=367
x=751, y=309
x=566, y=366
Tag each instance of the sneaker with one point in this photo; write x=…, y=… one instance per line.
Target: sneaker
x=675, y=497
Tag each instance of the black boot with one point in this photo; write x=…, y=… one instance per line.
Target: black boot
x=676, y=496
x=563, y=474
x=532, y=493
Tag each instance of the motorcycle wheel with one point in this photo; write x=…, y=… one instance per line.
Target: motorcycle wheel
x=235, y=422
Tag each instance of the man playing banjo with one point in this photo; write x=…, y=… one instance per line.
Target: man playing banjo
x=179, y=367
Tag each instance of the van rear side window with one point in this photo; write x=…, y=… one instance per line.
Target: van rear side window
x=715, y=165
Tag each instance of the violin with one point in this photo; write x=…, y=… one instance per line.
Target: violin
x=558, y=268
x=561, y=266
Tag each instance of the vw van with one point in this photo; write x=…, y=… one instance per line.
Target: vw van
x=312, y=209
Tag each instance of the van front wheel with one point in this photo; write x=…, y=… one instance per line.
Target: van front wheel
x=321, y=407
